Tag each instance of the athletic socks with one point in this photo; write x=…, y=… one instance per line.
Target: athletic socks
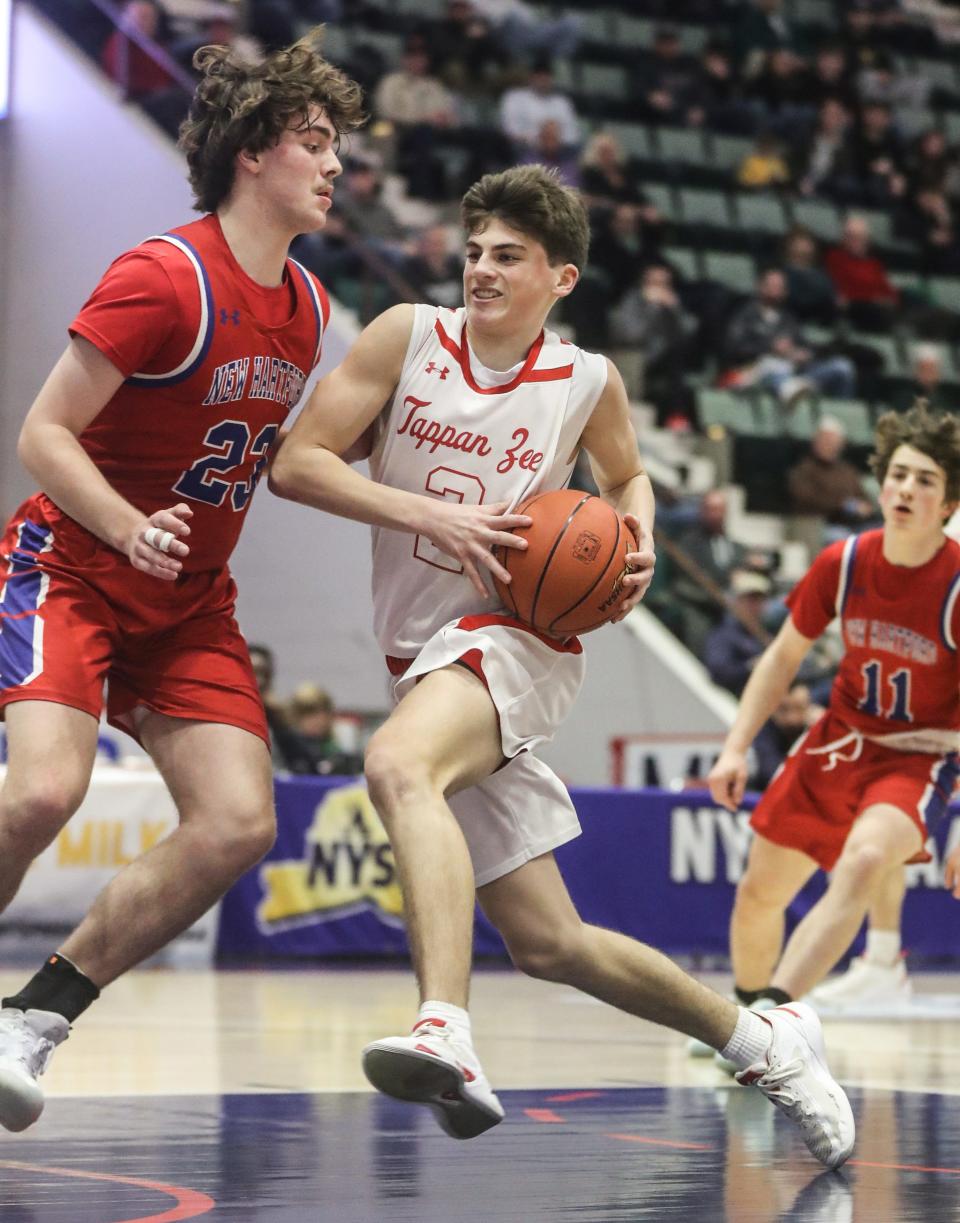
x=454, y=1017
x=60, y=987
x=750, y=1040
x=883, y=947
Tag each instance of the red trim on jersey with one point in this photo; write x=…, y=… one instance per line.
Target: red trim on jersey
x=569, y=645
x=398, y=666
x=527, y=373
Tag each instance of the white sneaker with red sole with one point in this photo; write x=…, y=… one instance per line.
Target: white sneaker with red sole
x=431, y=1067
x=793, y=1075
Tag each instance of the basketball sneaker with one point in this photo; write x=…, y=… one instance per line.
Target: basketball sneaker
x=865, y=984
x=27, y=1042
x=431, y=1066
x=793, y=1075
x=724, y=1063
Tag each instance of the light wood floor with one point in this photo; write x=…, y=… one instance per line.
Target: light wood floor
x=160, y=1032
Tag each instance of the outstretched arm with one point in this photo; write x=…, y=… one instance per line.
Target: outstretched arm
x=766, y=688
x=610, y=441
x=80, y=385
x=344, y=405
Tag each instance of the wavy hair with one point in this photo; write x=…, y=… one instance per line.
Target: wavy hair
x=936, y=436
x=241, y=105
x=533, y=201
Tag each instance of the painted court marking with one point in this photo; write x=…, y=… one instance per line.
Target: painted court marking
x=190, y=1203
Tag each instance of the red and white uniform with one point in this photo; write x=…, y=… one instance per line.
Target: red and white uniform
x=213, y=364
x=459, y=430
x=893, y=727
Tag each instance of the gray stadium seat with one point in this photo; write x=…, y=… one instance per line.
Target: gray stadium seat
x=632, y=31
x=820, y=217
x=603, y=80
x=704, y=207
x=729, y=151
x=945, y=291
x=737, y=272
x=763, y=213
x=634, y=137
x=682, y=144
x=684, y=260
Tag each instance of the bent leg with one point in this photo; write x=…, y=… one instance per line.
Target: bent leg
x=221, y=780
x=882, y=837
x=51, y=750
x=546, y=938
x=442, y=737
x=774, y=875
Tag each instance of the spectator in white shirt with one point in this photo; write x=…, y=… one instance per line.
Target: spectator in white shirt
x=525, y=109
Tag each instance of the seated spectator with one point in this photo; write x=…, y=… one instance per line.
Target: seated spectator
x=605, y=174
x=717, y=98
x=927, y=368
x=311, y=716
x=795, y=714
x=864, y=290
x=931, y=165
x=764, y=348
x=781, y=90
x=525, y=108
x=830, y=77
x=466, y=54
x=825, y=484
x=668, y=82
x=761, y=29
x=621, y=246
x=433, y=270
x=707, y=544
x=648, y=319
x=930, y=220
x=550, y=151
x=879, y=159
x=810, y=292
x=731, y=649
x=126, y=62
x=419, y=106
x=879, y=83
x=520, y=28
x=764, y=166
x=827, y=161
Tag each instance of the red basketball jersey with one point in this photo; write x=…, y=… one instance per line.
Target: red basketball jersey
x=900, y=673
x=213, y=363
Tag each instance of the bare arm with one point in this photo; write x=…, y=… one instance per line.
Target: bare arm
x=610, y=441
x=308, y=467
x=80, y=385
x=766, y=688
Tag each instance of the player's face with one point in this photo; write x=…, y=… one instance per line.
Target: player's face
x=297, y=173
x=913, y=496
x=508, y=280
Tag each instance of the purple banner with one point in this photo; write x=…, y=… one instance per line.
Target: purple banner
x=657, y=865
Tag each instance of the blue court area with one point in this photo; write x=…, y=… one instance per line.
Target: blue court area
x=720, y=1155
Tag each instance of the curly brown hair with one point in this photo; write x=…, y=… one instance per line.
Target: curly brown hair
x=936, y=436
x=533, y=201
x=242, y=105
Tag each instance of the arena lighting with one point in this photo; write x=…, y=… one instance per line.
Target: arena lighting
x=5, y=7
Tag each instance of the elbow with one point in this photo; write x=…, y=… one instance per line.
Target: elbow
x=26, y=449
x=278, y=478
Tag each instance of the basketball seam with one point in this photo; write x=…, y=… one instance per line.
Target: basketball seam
x=588, y=593
x=502, y=553
x=547, y=563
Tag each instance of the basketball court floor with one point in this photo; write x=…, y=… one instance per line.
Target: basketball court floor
x=237, y=1096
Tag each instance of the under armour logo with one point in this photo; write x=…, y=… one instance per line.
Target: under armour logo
x=433, y=368
x=229, y=316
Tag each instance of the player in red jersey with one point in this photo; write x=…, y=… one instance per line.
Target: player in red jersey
x=857, y=793
x=148, y=439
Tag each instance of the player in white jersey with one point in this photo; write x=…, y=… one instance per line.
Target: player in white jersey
x=468, y=412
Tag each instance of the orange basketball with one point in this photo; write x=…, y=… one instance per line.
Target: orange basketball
x=569, y=579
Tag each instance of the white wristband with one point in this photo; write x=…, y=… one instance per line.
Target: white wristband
x=161, y=540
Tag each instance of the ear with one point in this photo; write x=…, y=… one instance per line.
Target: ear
x=949, y=509
x=566, y=280
x=249, y=161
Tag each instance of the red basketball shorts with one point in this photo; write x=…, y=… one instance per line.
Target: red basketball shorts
x=75, y=614
x=832, y=775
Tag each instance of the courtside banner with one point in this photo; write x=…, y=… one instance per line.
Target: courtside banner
x=658, y=865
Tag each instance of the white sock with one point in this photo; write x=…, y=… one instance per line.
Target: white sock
x=750, y=1040
x=883, y=947
x=454, y=1016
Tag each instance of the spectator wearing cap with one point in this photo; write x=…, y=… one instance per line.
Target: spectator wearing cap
x=732, y=648
x=526, y=108
x=825, y=484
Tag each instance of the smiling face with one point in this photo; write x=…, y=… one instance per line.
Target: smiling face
x=293, y=179
x=508, y=282
x=913, y=493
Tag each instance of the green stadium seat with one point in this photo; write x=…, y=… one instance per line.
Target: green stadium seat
x=702, y=207
x=737, y=272
x=889, y=347
x=729, y=151
x=800, y=421
x=634, y=138
x=945, y=291
x=854, y=415
x=729, y=409
x=951, y=125
x=682, y=144
x=632, y=31
x=684, y=260
x=603, y=80
x=761, y=213
x=660, y=196
x=820, y=217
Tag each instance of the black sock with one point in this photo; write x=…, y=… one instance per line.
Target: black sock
x=779, y=996
x=60, y=987
x=746, y=996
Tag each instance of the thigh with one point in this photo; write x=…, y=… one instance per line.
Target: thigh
x=529, y=903
x=215, y=773
x=885, y=830
x=447, y=723
x=50, y=748
x=776, y=873
x=917, y=784
x=191, y=664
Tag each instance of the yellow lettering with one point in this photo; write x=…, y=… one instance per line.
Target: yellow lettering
x=75, y=851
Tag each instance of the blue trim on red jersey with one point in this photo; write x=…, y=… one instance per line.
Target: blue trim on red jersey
x=946, y=615
x=847, y=561
x=315, y=302
x=161, y=380
x=943, y=787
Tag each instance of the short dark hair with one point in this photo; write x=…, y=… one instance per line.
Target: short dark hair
x=936, y=436
x=242, y=105
x=533, y=201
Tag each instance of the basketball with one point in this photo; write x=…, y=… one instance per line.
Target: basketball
x=569, y=579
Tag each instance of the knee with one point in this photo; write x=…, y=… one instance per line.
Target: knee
x=548, y=956
x=251, y=836
x=861, y=865
x=394, y=772
x=756, y=892
x=32, y=817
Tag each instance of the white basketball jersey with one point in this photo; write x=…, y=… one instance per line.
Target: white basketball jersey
x=457, y=430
